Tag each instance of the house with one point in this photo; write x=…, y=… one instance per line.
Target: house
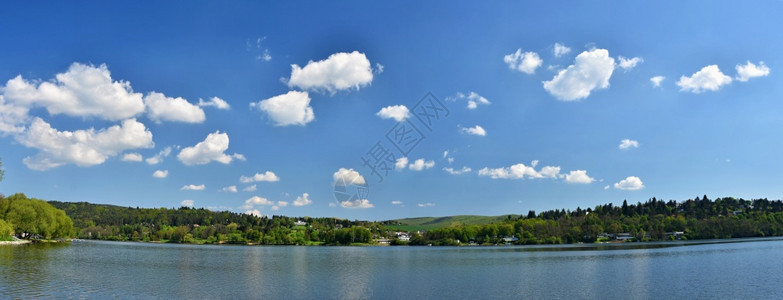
x=510, y=239
x=383, y=241
x=402, y=236
x=300, y=223
x=623, y=236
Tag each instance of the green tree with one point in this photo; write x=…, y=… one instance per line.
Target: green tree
x=6, y=230
x=33, y=217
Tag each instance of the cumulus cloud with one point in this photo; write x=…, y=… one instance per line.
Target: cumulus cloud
x=452, y=171
x=211, y=149
x=340, y=71
x=578, y=176
x=347, y=177
x=131, y=157
x=254, y=212
x=627, y=143
x=250, y=188
x=591, y=70
x=520, y=171
x=82, y=91
x=12, y=117
x=630, y=183
x=303, y=200
x=475, y=130
x=561, y=50
x=421, y=164
x=267, y=176
x=474, y=99
x=525, y=62
x=750, y=70
x=161, y=108
x=401, y=163
x=428, y=204
x=161, y=174
x=256, y=200
x=292, y=108
x=709, y=78
x=656, y=80
x=81, y=147
x=229, y=189
x=187, y=203
x=214, y=102
x=397, y=112
x=629, y=63
x=158, y=158
x=358, y=203
x=193, y=187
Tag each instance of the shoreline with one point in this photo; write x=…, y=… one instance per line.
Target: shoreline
x=15, y=242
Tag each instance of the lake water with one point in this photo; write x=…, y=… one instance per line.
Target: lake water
x=717, y=269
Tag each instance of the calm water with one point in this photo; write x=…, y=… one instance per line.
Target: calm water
x=748, y=269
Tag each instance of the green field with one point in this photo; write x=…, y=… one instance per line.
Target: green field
x=429, y=223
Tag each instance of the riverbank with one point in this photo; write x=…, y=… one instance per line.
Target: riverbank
x=15, y=241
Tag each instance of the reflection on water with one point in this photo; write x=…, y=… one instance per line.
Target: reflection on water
x=704, y=269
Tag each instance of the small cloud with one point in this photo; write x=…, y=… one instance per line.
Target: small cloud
x=267, y=176
x=591, y=71
x=250, y=188
x=346, y=177
x=396, y=202
x=358, y=203
x=211, y=149
x=630, y=183
x=561, y=50
x=158, y=158
x=629, y=63
x=626, y=144
x=332, y=204
x=656, y=80
x=187, y=203
x=191, y=187
x=378, y=68
x=254, y=212
x=475, y=130
x=709, y=78
x=214, y=102
x=428, y=204
x=525, y=62
x=131, y=157
x=303, y=200
x=401, y=163
x=397, y=112
x=160, y=174
x=340, y=71
x=606, y=187
x=230, y=189
x=292, y=108
x=474, y=99
x=452, y=171
x=578, y=176
x=421, y=164
x=256, y=200
x=750, y=70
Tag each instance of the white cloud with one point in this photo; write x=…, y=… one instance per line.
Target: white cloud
x=254, y=212
x=401, y=163
x=445, y=153
x=606, y=187
x=474, y=99
x=452, y=171
x=161, y=108
x=561, y=50
x=396, y=202
x=188, y=203
x=396, y=112
x=341, y=71
x=750, y=70
x=631, y=183
x=82, y=91
x=12, y=117
x=626, y=143
x=282, y=203
x=81, y=147
x=520, y=171
x=578, y=176
x=378, y=68
x=591, y=70
x=158, y=158
x=303, y=200
x=526, y=62
x=358, y=203
x=193, y=187
x=421, y=164
x=214, y=102
x=230, y=189
x=256, y=200
x=292, y=108
x=267, y=176
x=475, y=130
x=347, y=177
x=211, y=149
x=238, y=156
x=332, y=204
x=161, y=174
x=656, y=80
x=629, y=63
x=131, y=157
x=428, y=204
x=709, y=78
x=250, y=188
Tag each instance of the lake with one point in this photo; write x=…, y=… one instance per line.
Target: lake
x=733, y=269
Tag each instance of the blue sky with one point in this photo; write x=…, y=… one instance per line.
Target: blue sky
x=264, y=108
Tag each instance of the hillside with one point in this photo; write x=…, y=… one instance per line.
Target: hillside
x=430, y=223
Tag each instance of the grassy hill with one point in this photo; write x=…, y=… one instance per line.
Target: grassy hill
x=429, y=223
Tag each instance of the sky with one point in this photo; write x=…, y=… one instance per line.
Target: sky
x=377, y=111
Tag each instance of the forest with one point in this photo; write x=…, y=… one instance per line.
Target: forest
x=653, y=220
x=32, y=219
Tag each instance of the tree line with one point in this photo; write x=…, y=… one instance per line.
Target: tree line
x=32, y=219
